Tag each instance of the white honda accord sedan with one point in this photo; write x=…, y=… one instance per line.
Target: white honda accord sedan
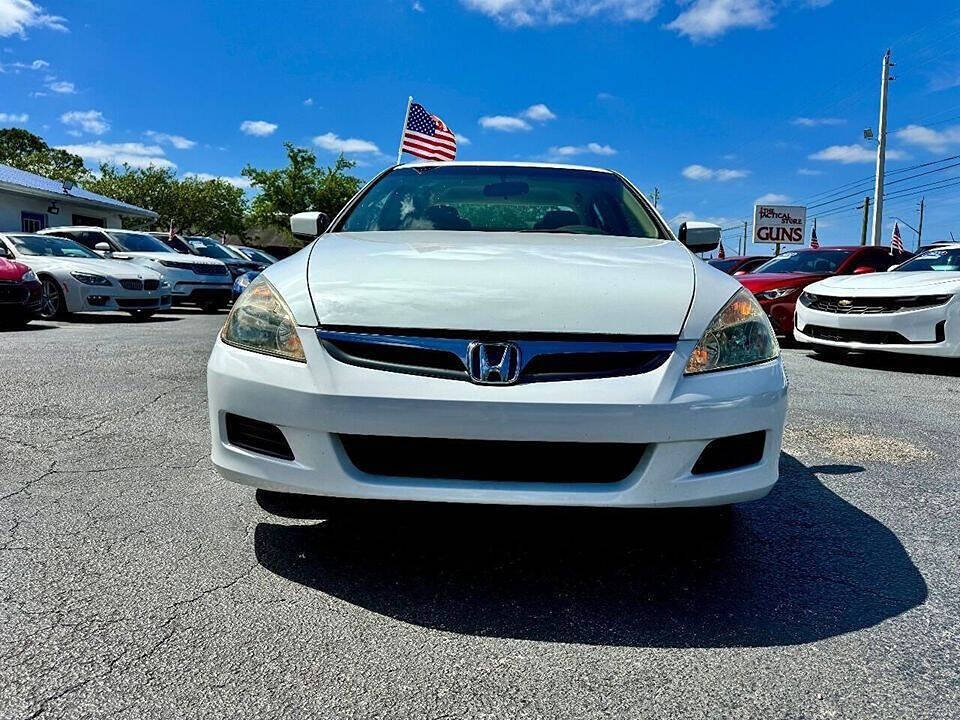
x=912, y=309
x=499, y=333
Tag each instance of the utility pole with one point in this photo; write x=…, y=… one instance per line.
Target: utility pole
x=866, y=220
x=656, y=198
x=920, y=226
x=881, y=153
x=744, y=237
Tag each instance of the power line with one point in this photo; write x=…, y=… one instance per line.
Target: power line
x=892, y=182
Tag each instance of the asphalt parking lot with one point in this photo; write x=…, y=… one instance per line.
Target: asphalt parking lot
x=137, y=583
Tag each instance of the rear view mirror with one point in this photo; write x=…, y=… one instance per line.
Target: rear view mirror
x=307, y=225
x=102, y=247
x=700, y=236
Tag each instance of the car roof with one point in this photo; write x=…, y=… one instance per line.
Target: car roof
x=500, y=163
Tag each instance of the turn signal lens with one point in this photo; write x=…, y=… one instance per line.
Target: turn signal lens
x=260, y=321
x=739, y=335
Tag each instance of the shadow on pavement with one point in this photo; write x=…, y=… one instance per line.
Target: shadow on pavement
x=29, y=327
x=799, y=566
x=114, y=319
x=913, y=364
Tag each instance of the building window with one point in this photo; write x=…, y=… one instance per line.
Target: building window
x=31, y=222
x=89, y=221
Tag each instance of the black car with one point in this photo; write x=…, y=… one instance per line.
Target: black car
x=208, y=247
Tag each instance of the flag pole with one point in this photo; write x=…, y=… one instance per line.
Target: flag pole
x=406, y=116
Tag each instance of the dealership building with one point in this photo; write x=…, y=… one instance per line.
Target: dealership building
x=30, y=202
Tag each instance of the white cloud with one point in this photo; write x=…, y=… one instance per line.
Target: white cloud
x=504, y=123
x=817, y=122
x=688, y=215
x=89, y=121
x=13, y=118
x=178, y=141
x=258, y=128
x=332, y=142
x=539, y=112
x=16, y=16
x=18, y=66
x=418, y=6
x=809, y=172
x=565, y=151
x=134, y=154
x=61, y=86
x=706, y=19
x=461, y=139
x=932, y=140
x=236, y=180
x=519, y=13
x=308, y=102
x=699, y=172
x=850, y=154
x=771, y=198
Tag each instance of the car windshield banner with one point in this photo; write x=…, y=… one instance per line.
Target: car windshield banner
x=779, y=224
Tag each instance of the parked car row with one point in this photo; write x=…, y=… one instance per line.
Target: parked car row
x=63, y=270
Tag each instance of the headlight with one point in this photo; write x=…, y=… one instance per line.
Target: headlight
x=806, y=299
x=777, y=293
x=164, y=285
x=90, y=279
x=260, y=321
x=242, y=281
x=29, y=276
x=739, y=335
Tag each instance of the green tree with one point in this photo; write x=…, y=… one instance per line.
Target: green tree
x=300, y=186
x=26, y=151
x=191, y=205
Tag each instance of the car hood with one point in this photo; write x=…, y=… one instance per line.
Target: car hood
x=11, y=271
x=519, y=282
x=759, y=282
x=178, y=257
x=112, y=268
x=902, y=282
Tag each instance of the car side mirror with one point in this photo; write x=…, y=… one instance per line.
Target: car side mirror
x=863, y=270
x=102, y=247
x=307, y=225
x=699, y=236
x=5, y=252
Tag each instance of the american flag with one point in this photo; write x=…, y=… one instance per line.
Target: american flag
x=814, y=242
x=896, y=242
x=426, y=136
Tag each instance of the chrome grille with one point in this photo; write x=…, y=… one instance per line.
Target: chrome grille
x=871, y=305
x=541, y=357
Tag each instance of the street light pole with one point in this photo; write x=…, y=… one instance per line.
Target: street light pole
x=881, y=153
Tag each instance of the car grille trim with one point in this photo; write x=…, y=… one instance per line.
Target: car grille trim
x=132, y=284
x=868, y=337
x=871, y=305
x=543, y=357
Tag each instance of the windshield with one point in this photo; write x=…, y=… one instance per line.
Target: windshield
x=138, y=242
x=725, y=265
x=209, y=248
x=51, y=246
x=258, y=255
x=501, y=199
x=942, y=260
x=175, y=242
x=821, y=262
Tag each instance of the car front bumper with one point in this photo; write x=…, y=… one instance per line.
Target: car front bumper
x=926, y=331
x=313, y=404
x=114, y=298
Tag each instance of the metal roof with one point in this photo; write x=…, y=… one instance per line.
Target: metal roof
x=27, y=183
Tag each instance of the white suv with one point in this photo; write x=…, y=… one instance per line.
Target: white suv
x=194, y=280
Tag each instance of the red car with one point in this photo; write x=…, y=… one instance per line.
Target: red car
x=777, y=284
x=20, y=293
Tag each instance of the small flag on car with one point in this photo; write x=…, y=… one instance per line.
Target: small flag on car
x=814, y=242
x=896, y=242
x=426, y=135
x=721, y=255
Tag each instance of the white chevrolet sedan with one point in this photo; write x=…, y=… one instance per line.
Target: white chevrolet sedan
x=912, y=309
x=499, y=333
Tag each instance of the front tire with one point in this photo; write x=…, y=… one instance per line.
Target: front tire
x=52, y=304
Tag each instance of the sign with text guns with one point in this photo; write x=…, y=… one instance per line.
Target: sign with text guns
x=783, y=224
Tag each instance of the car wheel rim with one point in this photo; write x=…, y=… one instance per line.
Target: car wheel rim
x=50, y=302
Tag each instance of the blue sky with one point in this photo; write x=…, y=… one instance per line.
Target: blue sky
x=716, y=102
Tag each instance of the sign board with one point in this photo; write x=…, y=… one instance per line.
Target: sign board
x=784, y=224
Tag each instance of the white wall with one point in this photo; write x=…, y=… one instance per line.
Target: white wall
x=11, y=205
